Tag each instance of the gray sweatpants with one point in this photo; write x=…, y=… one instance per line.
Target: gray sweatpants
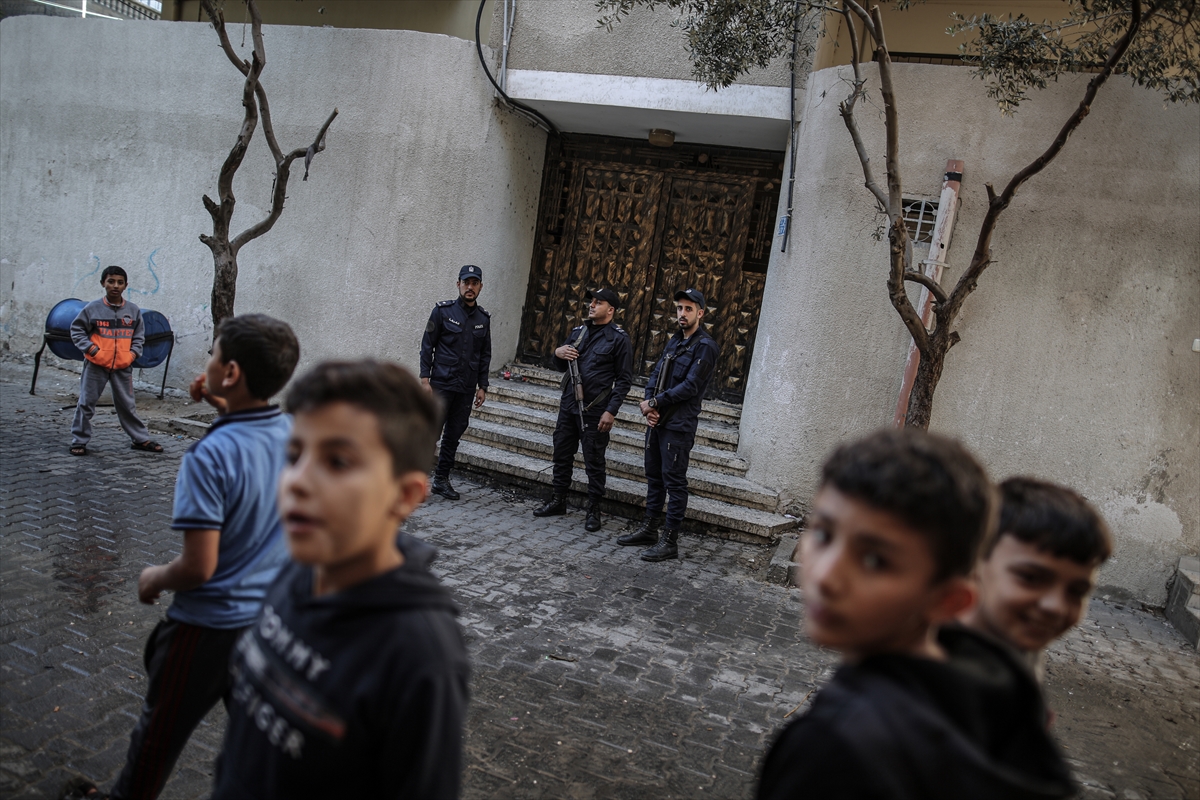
x=91, y=385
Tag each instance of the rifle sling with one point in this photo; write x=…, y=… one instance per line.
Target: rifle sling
x=578, y=343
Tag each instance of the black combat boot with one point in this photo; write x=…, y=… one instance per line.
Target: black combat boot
x=556, y=506
x=667, y=547
x=442, y=486
x=644, y=535
x=593, y=522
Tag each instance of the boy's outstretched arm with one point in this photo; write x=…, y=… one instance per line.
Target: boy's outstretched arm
x=191, y=569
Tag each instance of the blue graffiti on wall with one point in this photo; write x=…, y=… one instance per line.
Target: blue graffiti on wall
x=150, y=265
x=90, y=274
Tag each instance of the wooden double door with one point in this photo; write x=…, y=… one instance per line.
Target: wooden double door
x=647, y=222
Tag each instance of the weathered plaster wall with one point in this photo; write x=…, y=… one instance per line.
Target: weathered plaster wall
x=110, y=134
x=563, y=36
x=1075, y=362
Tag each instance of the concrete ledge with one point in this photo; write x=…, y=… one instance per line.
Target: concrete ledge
x=781, y=569
x=741, y=115
x=1183, y=604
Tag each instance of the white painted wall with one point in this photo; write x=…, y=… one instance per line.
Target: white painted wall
x=1075, y=362
x=110, y=134
x=563, y=36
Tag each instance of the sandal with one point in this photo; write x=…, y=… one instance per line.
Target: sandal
x=78, y=450
x=148, y=446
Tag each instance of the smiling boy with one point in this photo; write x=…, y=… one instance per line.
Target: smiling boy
x=1037, y=574
x=353, y=680
x=916, y=711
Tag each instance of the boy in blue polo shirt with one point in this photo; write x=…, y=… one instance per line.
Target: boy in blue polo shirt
x=232, y=548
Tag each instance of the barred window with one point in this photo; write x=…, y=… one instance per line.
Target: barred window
x=919, y=217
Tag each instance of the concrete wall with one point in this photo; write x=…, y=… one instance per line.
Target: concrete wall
x=111, y=134
x=563, y=36
x=452, y=17
x=1075, y=362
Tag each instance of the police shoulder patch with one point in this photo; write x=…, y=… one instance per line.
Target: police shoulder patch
x=485, y=312
x=619, y=329
x=444, y=303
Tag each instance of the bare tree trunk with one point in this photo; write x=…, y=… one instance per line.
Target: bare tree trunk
x=224, y=291
x=254, y=99
x=929, y=372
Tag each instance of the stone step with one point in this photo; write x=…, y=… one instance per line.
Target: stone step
x=1183, y=605
x=626, y=436
x=714, y=433
x=716, y=410
x=621, y=463
x=628, y=496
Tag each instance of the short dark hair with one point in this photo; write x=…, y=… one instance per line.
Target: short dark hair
x=264, y=347
x=408, y=413
x=1053, y=518
x=931, y=483
x=113, y=270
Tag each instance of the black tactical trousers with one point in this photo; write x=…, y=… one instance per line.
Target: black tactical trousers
x=667, y=456
x=567, y=441
x=458, y=415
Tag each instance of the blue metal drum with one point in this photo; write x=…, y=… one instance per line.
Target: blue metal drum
x=159, y=340
x=58, y=329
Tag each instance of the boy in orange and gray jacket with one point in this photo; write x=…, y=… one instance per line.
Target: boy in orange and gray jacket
x=110, y=333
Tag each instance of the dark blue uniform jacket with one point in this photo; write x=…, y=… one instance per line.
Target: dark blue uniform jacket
x=605, y=361
x=691, y=371
x=456, y=350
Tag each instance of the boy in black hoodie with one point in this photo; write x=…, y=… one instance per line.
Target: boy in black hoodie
x=353, y=680
x=917, y=711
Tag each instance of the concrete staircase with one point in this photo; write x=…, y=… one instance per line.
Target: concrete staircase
x=510, y=438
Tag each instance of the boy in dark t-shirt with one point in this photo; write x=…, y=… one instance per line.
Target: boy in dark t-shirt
x=353, y=680
x=916, y=711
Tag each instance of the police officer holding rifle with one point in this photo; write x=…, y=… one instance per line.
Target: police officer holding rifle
x=674, y=393
x=598, y=358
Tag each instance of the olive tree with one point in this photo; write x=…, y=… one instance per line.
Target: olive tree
x=224, y=247
x=1155, y=43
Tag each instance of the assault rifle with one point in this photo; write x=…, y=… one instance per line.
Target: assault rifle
x=577, y=380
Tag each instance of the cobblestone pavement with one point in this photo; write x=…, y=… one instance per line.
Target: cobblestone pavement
x=596, y=675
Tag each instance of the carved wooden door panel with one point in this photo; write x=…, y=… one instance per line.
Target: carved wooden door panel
x=611, y=244
x=700, y=245
x=647, y=222
x=605, y=225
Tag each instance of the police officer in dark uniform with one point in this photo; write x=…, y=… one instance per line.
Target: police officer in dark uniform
x=604, y=355
x=674, y=393
x=456, y=353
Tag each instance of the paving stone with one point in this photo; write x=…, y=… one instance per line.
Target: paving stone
x=691, y=664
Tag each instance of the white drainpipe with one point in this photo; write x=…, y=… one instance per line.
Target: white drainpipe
x=943, y=227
